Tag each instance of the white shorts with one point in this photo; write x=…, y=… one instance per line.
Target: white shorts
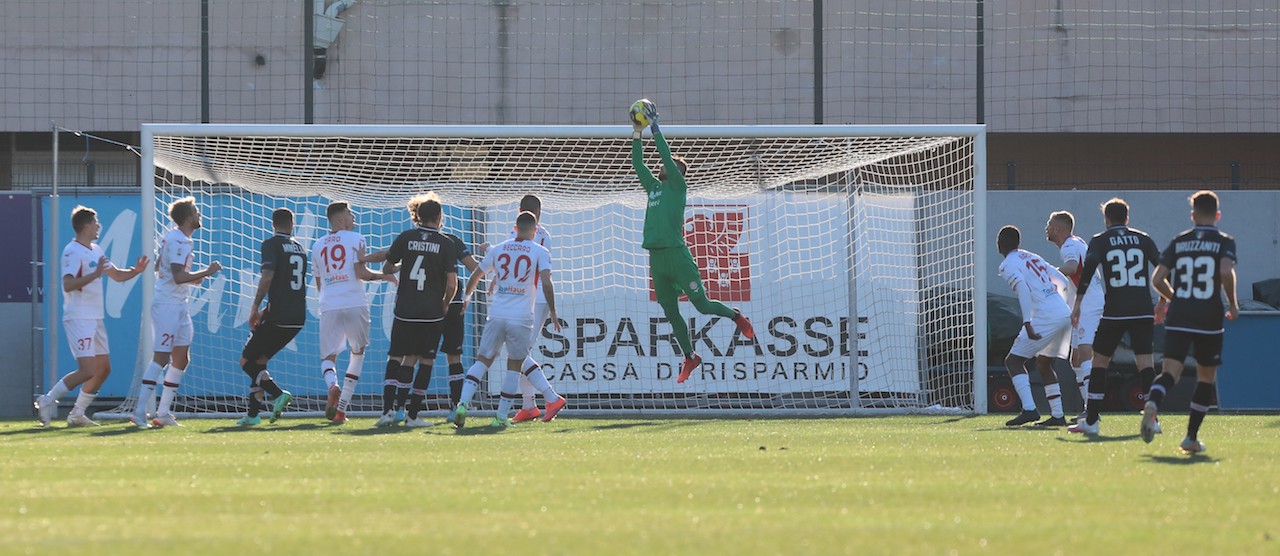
x=88, y=337
x=1055, y=339
x=170, y=326
x=540, y=312
x=340, y=328
x=515, y=335
x=1083, y=335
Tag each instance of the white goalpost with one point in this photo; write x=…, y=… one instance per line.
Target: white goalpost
x=853, y=249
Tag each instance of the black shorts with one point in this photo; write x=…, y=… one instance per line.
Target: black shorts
x=418, y=339
x=267, y=339
x=1208, y=347
x=1110, y=331
x=453, y=332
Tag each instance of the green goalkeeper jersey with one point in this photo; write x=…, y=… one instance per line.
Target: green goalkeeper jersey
x=664, y=215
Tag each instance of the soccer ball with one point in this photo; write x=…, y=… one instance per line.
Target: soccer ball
x=639, y=110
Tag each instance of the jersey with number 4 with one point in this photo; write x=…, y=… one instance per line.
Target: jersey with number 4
x=1038, y=285
x=515, y=265
x=335, y=256
x=428, y=262
x=287, y=295
x=1194, y=260
x=1124, y=255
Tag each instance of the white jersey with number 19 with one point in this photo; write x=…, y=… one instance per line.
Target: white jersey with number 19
x=334, y=257
x=515, y=265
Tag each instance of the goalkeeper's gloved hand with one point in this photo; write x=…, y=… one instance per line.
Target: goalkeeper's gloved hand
x=651, y=112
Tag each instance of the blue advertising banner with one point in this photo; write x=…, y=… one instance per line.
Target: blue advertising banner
x=234, y=228
x=16, y=227
x=1248, y=378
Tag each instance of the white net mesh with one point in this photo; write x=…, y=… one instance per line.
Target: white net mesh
x=798, y=230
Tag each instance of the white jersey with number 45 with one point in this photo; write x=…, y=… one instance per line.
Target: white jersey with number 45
x=1039, y=286
x=334, y=257
x=514, y=266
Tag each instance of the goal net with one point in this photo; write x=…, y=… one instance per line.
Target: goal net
x=851, y=248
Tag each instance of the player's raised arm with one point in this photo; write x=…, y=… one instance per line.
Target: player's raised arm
x=637, y=161
x=121, y=275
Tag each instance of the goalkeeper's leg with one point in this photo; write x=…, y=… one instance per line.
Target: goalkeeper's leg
x=669, y=299
x=689, y=279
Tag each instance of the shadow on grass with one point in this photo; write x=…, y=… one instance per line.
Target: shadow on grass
x=373, y=431
x=956, y=419
x=1019, y=429
x=1092, y=439
x=128, y=428
x=33, y=429
x=611, y=426
x=474, y=431
x=1189, y=459
x=267, y=428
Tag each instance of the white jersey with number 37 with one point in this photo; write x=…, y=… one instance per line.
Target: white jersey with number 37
x=86, y=302
x=514, y=266
x=1039, y=286
x=334, y=257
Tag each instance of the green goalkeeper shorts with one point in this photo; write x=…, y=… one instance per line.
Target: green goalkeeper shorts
x=673, y=271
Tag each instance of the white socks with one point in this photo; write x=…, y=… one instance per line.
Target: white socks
x=354, y=366
x=1022, y=383
x=147, y=391
x=527, y=391
x=539, y=381
x=327, y=368
x=1082, y=378
x=59, y=390
x=472, y=380
x=510, y=382
x=1053, y=393
x=82, y=402
x=172, y=379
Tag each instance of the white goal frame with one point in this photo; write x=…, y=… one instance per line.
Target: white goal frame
x=980, y=259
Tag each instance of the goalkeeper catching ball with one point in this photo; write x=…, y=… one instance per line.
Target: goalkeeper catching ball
x=671, y=265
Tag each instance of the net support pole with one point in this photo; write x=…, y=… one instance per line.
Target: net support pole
x=53, y=282
x=855, y=399
x=980, y=272
x=147, y=228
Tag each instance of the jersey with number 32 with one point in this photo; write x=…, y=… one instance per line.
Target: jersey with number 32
x=334, y=256
x=514, y=266
x=1124, y=255
x=1194, y=260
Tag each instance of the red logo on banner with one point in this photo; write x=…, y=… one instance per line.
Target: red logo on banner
x=712, y=234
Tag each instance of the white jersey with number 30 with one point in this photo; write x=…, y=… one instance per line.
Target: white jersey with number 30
x=541, y=237
x=334, y=257
x=514, y=266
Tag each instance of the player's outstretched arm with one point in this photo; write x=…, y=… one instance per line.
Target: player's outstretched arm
x=549, y=291
x=121, y=275
x=472, y=284
x=374, y=257
x=181, y=276
x=71, y=282
x=637, y=162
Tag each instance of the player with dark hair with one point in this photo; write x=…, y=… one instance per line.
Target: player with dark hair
x=426, y=261
x=284, y=286
x=344, y=309
x=1046, y=331
x=519, y=266
x=1060, y=231
x=671, y=265
x=171, y=326
x=1195, y=270
x=83, y=265
x=1123, y=254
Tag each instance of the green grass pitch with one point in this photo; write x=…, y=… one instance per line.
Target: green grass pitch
x=869, y=485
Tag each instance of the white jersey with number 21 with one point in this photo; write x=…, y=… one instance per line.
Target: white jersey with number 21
x=514, y=266
x=334, y=257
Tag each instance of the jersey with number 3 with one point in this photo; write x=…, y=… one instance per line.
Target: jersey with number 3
x=514, y=266
x=1124, y=255
x=428, y=261
x=334, y=256
x=287, y=295
x=1042, y=285
x=1194, y=260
